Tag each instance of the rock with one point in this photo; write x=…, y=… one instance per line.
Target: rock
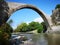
x=3, y=12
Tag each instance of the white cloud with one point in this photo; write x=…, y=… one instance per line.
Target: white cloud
x=38, y=20
x=28, y=22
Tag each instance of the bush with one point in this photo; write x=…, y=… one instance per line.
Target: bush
x=39, y=30
x=5, y=34
x=57, y=6
x=4, y=38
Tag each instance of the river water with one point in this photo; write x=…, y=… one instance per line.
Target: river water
x=42, y=39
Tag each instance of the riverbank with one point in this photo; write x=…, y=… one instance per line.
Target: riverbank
x=29, y=32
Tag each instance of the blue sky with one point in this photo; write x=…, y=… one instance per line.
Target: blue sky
x=28, y=15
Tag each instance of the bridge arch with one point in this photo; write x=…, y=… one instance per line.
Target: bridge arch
x=17, y=6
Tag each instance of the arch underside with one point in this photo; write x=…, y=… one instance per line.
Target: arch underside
x=17, y=6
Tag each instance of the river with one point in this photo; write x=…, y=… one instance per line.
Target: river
x=42, y=39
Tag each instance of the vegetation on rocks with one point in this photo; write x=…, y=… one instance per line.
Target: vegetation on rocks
x=57, y=6
x=5, y=34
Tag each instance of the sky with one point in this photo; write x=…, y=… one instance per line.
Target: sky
x=29, y=15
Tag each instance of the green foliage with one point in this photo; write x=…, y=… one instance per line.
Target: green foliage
x=6, y=28
x=57, y=6
x=0, y=33
x=5, y=33
x=40, y=28
x=1, y=0
x=44, y=27
x=33, y=25
x=23, y=27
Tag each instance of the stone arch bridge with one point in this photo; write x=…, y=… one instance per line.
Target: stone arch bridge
x=18, y=6
x=10, y=7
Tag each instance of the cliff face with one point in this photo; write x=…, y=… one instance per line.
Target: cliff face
x=56, y=16
x=3, y=12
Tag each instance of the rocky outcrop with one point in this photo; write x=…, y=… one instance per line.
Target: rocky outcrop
x=56, y=16
x=3, y=12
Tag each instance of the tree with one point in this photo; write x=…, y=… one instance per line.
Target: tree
x=44, y=27
x=5, y=34
x=36, y=26
x=40, y=28
x=23, y=27
x=57, y=6
x=33, y=25
x=6, y=28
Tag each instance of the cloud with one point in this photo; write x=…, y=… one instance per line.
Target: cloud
x=38, y=20
x=28, y=22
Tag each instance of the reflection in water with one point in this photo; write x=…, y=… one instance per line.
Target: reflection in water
x=39, y=39
x=42, y=39
x=46, y=39
x=53, y=39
